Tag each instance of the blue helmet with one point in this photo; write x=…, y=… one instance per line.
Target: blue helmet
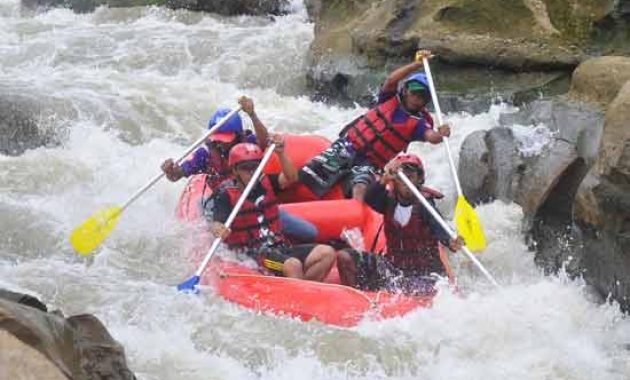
x=234, y=125
x=418, y=77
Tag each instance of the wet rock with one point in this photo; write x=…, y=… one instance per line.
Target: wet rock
x=55, y=347
x=498, y=164
x=612, y=32
x=584, y=225
x=23, y=299
x=226, y=8
x=19, y=129
x=474, y=169
x=602, y=207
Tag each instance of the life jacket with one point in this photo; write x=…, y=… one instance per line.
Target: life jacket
x=412, y=247
x=217, y=169
x=379, y=137
x=258, y=221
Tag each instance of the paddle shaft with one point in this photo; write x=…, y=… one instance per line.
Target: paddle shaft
x=194, y=146
x=438, y=111
x=237, y=207
x=446, y=227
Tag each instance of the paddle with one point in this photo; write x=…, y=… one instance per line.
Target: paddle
x=466, y=218
x=440, y=220
x=190, y=284
x=91, y=233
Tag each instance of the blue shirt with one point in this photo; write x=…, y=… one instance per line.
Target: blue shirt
x=199, y=161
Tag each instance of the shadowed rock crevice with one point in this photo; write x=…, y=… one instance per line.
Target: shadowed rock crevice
x=557, y=241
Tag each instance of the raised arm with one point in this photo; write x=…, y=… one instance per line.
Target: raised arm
x=289, y=173
x=259, y=128
x=391, y=83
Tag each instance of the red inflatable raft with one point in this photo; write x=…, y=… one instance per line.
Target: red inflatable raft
x=328, y=302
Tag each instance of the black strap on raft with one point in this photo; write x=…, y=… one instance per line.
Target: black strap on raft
x=318, y=179
x=378, y=234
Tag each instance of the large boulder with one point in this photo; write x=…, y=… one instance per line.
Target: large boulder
x=528, y=165
x=222, y=7
x=584, y=224
x=602, y=206
x=41, y=345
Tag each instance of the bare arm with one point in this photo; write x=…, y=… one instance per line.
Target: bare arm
x=259, y=128
x=289, y=173
x=391, y=83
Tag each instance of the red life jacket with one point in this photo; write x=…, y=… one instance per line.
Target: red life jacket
x=254, y=224
x=379, y=137
x=412, y=246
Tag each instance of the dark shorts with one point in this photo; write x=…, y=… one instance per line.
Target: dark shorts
x=337, y=164
x=273, y=258
x=375, y=272
x=363, y=173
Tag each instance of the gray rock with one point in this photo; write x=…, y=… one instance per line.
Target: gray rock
x=578, y=123
x=474, y=168
x=584, y=225
x=492, y=165
x=79, y=347
x=23, y=299
x=504, y=160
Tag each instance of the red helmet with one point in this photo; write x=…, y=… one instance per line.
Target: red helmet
x=409, y=159
x=244, y=152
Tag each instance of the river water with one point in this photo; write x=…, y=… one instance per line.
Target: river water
x=123, y=89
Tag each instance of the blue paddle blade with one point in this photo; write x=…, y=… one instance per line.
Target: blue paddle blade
x=190, y=285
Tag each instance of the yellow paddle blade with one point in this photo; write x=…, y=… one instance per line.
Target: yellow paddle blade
x=468, y=225
x=89, y=235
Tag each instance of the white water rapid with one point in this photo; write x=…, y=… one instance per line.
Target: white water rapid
x=124, y=89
